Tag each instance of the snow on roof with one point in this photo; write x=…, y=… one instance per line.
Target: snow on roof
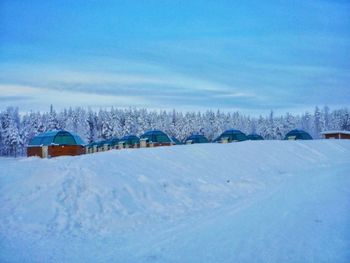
x=331, y=132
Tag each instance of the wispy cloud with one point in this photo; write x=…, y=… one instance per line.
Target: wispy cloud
x=251, y=56
x=129, y=83
x=236, y=95
x=39, y=98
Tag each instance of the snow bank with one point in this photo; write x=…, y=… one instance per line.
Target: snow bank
x=254, y=201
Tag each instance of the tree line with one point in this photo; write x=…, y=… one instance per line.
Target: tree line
x=16, y=130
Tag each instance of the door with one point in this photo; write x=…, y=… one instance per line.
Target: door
x=45, y=151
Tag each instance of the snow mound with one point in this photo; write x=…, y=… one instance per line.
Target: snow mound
x=161, y=201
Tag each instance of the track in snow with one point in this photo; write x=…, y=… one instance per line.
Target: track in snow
x=268, y=201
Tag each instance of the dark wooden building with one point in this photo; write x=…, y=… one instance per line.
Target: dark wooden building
x=336, y=134
x=55, y=143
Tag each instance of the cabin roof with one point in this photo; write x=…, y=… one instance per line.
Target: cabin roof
x=112, y=141
x=232, y=131
x=127, y=137
x=233, y=135
x=156, y=136
x=300, y=134
x=254, y=137
x=197, y=138
x=56, y=137
x=175, y=140
x=130, y=139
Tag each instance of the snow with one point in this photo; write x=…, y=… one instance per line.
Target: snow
x=253, y=201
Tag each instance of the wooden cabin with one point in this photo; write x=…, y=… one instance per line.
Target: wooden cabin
x=102, y=146
x=107, y=145
x=196, y=138
x=55, y=143
x=129, y=141
x=231, y=135
x=112, y=143
x=336, y=134
x=297, y=135
x=155, y=138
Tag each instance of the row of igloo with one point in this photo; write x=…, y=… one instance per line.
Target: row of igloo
x=152, y=138
x=58, y=143
x=157, y=138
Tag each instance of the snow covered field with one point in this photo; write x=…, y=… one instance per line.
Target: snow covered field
x=262, y=201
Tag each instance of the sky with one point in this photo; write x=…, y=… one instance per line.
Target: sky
x=253, y=56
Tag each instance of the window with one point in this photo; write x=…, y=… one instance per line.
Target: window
x=64, y=139
x=162, y=138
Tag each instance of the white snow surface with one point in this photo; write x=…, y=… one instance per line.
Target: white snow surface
x=253, y=201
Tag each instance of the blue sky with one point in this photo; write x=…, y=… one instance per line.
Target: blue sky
x=250, y=56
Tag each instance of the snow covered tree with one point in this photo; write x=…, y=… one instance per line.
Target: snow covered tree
x=10, y=136
x=306, y=122
x=318, y=124
x=90, y=133
x=16, y=130
x=52, y=120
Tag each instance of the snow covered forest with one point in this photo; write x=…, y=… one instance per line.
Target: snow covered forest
x=17, y=129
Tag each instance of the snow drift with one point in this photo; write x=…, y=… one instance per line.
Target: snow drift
x=255, y=201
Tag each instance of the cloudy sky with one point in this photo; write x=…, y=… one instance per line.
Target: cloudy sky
x=247, y=55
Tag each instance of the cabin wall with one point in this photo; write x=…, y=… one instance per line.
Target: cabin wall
x=57, y=150
x=157, y=144
x=34, y=151
x=337, y=136
x=128, y=146
x=61, y=150
x=73, y=150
